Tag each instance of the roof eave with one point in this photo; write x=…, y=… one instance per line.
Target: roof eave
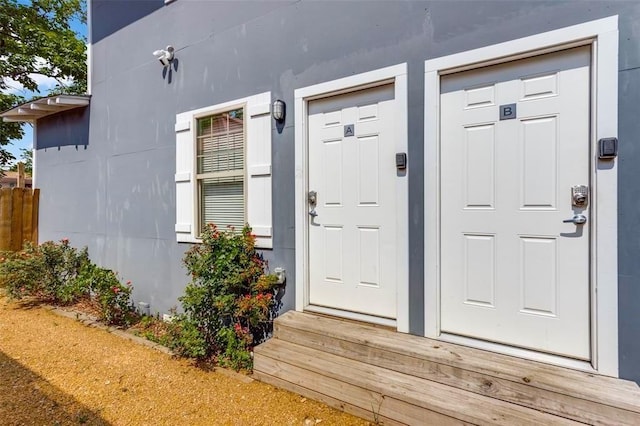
x=34, y=110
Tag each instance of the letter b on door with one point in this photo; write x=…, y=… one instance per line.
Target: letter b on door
x=507, y=112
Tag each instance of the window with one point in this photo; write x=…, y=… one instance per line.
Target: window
x=220, y=165
x=223, y=168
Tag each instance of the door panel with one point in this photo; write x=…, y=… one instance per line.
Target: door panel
x=352, y=239
x=512, y=271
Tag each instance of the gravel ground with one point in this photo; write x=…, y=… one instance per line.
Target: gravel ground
x=57, y=371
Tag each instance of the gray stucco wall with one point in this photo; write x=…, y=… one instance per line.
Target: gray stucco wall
x=117, y=195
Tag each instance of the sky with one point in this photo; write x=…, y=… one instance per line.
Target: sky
x=44, y=85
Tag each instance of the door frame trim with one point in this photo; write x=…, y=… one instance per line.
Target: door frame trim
x=602, y=35
x=396, y=74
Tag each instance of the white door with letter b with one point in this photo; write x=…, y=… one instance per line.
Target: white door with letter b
x=515, y=262
x=352, y=209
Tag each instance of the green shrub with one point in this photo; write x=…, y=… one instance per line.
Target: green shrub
x=62, y=264
x=234, y=353
x=230, y=301
x=21, y=272
x=184, y=338
x=48, y=271
x=61, y=274
x=113, y=298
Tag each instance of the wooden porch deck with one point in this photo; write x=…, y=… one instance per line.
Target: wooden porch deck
x=394, y=378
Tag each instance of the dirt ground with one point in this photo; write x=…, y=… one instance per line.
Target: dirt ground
x=57, y=371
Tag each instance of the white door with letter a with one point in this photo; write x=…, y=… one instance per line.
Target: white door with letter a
x=352, y=219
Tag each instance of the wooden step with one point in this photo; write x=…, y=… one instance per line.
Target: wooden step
x=389, y=394
x=577, y=395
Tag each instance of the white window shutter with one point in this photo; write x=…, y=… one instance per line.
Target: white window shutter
x=259, y=168
x=185, y=217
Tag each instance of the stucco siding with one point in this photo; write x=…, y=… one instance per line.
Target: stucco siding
x=117, y=194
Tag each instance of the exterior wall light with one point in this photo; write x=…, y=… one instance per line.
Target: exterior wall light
x=279, y=110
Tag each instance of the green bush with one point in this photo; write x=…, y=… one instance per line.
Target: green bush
x=184, y=338
x=62, y=264
x=21, y=272
x=235, y=354
x=60, y=274
x=48, y=271
x=112, y=297
x=230, y=301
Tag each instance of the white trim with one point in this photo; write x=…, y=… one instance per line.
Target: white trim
x=518, y=352
x=259, y=109
x=603, y=34
x=89, y=47
x=527, y=46
x=261, y=231
x=183, y=177
x=398, y=75
x=300, y=176
x=183, y=228
x=182, y=126
x=34, y=159
x=606, y=207
x=352, y=316
x=259, y=170
x=33, y=110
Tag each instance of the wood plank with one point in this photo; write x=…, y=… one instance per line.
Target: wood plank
x=17, y=194
x=27, y=215
x=326, y=389
x=605, y=390
x=20, y=180
x=5, y=219
x=35, y=217
x=317, y=396
x=571, y=407
x=465, y=406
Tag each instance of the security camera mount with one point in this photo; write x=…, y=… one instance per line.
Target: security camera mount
x=165, y=56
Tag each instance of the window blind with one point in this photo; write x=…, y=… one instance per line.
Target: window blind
x=220, y=166
x=222, y=202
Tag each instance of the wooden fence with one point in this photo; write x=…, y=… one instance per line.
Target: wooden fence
x=18, y=217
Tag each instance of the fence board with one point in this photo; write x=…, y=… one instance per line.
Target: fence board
x=5, y=219
x=27, y=214
x=18, y=217
x=35, y=215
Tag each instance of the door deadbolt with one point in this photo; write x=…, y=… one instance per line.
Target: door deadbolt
x=313, y=198
x=580, y=195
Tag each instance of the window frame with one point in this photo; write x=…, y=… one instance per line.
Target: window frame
x=198, y=177
x=258, y=200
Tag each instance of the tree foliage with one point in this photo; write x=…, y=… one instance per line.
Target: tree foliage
x=26, y=157
x=36, y=39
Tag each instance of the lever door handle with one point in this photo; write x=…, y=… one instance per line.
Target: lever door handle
x=578, y=219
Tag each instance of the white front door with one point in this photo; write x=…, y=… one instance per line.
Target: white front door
x=514, y=141
x=352, y=229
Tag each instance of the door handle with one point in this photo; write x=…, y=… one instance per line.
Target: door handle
x=313, y=213
x=578, y=219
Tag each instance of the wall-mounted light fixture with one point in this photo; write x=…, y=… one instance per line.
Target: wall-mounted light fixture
x=279, y=110
x=165, y=56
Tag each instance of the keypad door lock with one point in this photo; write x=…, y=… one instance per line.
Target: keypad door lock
x=580, y=195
